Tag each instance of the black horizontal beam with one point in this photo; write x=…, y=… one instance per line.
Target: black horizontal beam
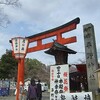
x=76, y=21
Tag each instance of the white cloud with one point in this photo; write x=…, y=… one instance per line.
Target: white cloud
x=4, y=42
x=41, y=15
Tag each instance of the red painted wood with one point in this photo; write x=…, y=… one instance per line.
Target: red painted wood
x=45, y=46
x=57, y=32
x=54, y=33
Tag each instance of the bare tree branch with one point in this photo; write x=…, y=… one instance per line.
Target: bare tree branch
x=82, y=61
x=4, y=20
x=10, y=3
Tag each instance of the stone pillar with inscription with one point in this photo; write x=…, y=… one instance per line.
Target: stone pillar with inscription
x=91, y=57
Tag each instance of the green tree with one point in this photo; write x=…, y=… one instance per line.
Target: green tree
x=8, y=66
x=33, y=68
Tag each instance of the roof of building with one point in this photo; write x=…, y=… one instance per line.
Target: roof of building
x=59, y=47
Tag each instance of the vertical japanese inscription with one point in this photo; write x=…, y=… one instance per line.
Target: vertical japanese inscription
x=91, y=56
x=59, y=81
x=76, y=96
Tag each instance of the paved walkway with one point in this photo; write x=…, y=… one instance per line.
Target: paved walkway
x=45, y=97
x=7, y=98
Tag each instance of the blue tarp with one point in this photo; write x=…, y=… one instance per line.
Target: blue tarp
x=4, y=87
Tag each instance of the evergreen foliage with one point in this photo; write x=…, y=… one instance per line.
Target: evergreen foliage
x=33, y=68
x=8, y=66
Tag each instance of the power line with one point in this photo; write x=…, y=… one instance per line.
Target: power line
x=84, y=52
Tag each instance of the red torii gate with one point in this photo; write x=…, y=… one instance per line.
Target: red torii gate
x=53, y=32
x=40, y=46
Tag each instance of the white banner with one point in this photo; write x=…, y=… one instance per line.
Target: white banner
x=75, y=96
x=59, y=80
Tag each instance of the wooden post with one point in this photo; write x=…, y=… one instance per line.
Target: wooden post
x=20, y=77
x=61, y=58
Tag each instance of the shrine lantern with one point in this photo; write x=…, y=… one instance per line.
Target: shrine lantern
x=19, y=46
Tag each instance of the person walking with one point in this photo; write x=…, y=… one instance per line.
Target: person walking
x=39, y=90
x=32, y=91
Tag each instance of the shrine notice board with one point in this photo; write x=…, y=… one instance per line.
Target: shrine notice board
x=59, y=80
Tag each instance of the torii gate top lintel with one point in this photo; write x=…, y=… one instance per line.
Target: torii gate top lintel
x=75, y=21
x=58, y=31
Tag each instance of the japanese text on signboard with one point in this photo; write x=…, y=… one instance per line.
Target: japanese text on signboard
x=59, y=80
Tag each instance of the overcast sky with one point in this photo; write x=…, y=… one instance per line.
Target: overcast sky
x=36, y=16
